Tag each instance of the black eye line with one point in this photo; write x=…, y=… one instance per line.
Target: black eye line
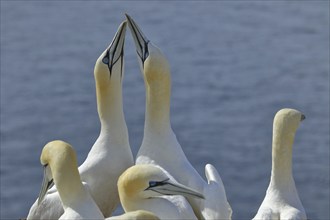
x=111, y=61
x=146, y=52
x=50, y=183
x=168, y=194
x=144, y=56
x=121, y=62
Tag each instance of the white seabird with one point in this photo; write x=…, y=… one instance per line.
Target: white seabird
x=282, y=200
x=142, y=187
x=60, y=166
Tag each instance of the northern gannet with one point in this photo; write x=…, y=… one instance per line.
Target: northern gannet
x=160, y=145
x=60, y=166
x=282, y=200
x=142, y=187
x=111, y=154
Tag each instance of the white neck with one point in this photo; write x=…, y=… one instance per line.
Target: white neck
x=69, y=186
x=157, y=116
x=282, y=158
x=110, y=110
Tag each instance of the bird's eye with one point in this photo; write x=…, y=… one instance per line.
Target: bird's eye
x=105, y=60
x=152, y=183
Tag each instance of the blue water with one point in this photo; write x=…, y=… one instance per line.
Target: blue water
x=234, y=65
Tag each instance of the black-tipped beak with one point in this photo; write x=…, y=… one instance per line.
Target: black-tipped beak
x=302, y=117
x=168, y=187
x=115, y=51
x=46, y=184
x=140, y=40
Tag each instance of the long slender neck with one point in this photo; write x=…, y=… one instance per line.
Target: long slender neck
x=68, y=184
x=110, y=108
x=282, y=157
x=157, y=117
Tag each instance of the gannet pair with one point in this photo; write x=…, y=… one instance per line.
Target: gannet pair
x=140, y=188
x=282, y=200
x=111, y=154
x=160, y=146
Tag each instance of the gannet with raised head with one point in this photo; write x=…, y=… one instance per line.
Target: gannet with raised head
x=160, y=145
x=282, y=200
x=142, y=187
x=111, y=154
x=60, y=166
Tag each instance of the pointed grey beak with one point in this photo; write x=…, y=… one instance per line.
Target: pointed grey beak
x=140, y=40
x=168, y=187
x=115, y=51
x=46, y=184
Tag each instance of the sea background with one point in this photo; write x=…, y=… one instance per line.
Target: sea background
x=234, y=64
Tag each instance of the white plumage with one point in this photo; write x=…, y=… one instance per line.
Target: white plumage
x=282, y=200
x=60, y=164
x=149, y=187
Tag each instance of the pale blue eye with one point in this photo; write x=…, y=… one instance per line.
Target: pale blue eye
x=152, y=183
x=105, y=60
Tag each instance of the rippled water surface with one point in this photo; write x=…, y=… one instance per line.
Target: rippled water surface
x=234, y=65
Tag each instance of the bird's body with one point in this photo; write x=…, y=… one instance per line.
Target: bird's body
x=160, y=145
x=282, y=199
x=111, y=153
x=149, y=187
x=135, y=215
x=214, y=206
x=60, y=164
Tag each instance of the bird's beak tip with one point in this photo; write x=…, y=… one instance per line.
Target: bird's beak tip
x=303, y=117
x=127, y=16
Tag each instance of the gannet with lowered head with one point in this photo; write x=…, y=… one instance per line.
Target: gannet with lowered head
x=142, y=187
x=160, y=145
x=282, y=200
x=111, y=154
x=60, y=166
